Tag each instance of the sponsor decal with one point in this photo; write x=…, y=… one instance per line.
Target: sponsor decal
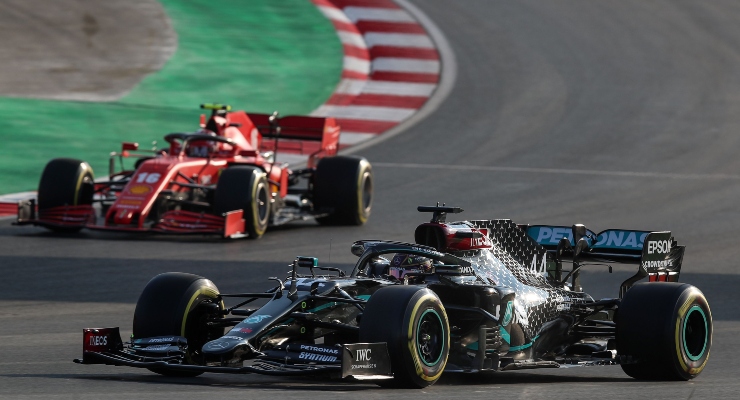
x=659, y=246
x=508, y=314
x=539, y=268
x=162, y=340
x=364, y=366
x=467, y=270
x=129, y=202
x=612, y=238
x=365, y=359
x=98, y=340
x=657, y=251
x=479, y=241
x=188, y=226
x=146, y=177
x=550, y=235
x=157, y=347
x=127, y=207
x=256, y=319
x=316, y=357
x=140, y=190
x=232, y=337
x=242, y=330
x=364, y=355
x=621, y=239
x=423, y=250
x=217, y=345
x=657, y=264
x=319, y=349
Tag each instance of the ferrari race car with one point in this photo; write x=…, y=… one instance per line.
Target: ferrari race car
x=222, y=179
x=467, y=297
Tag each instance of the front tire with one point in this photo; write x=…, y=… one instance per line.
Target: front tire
x=176, y=303
x=343, y=184
x=65, y=182
x=664, y=331
x=413, y=323
x=245, y=188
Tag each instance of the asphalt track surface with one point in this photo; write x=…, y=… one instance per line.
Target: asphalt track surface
x=613, y=114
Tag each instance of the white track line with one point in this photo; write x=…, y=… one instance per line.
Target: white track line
x=399, y=88
x=628, y=174
x=366, y=112
x=377, y=14
x=405, y=65
x=398, y=40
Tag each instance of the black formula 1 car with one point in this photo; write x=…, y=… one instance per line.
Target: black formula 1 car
x=467, y=297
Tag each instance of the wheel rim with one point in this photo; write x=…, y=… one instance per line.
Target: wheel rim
x=695, y=333
x=367, y=192
x=262, y=204
x=430, y=337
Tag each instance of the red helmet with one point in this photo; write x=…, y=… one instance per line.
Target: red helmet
x=203, y=148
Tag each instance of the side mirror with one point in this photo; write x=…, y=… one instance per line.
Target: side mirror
x=307, y=262
x=358, y=248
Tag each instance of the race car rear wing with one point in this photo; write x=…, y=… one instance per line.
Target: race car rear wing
x=315, y=136
x=657, y=253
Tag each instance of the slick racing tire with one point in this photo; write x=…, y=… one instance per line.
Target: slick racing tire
x=177, y=304
x=245, y=188
x=65, y=182
x=664, y=331
x=343, y=185
x=413, y=322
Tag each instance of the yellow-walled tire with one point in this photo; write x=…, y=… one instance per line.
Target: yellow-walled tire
x=245, y=188
x=664, y=331
x=343, y=187
x=65, y=182
x=413, y=323
x=177, y=304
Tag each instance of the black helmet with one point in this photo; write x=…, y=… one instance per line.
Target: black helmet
x=403, y=264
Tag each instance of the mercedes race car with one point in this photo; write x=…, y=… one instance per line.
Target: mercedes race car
x=467, y=297
x=223, y=179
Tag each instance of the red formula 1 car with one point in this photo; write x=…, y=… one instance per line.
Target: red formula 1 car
x=222, y=179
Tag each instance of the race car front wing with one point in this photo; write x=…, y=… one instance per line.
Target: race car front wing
x=362, y=361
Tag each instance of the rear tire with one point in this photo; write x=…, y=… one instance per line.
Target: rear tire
x=413, y=322
x=65, y=182
x=343, y=184
x=245, y=188
x=664, y=331
x=176, y=303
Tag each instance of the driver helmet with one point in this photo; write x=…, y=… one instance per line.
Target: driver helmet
x=403, y=264
x=203, y=148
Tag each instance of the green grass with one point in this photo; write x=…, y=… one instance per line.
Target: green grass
x=257, y=55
